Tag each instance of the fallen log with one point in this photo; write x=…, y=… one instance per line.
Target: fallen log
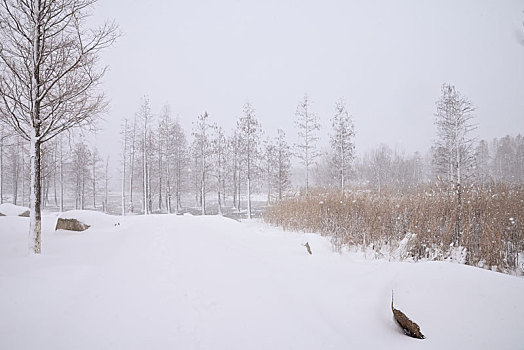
x=409, y=327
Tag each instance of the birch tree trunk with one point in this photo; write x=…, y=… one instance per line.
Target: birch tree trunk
x=61, y=176
x=124, y=153
x=35, y=218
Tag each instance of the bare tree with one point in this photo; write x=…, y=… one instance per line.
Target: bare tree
x=202, y=144
x=454, y=155
x=308, y=127
x=269, y=160
x=177, y=145
x=342, y=143
x=106, y=184
x=132, y=164
x=95, y=170
x=144, y=113
x=48, y=77
x=81, y=159
x=61, y=171
x=162, y=154
x=3, y=140
x=124, y=157
x=283, y=163
x=249, y=131
x=234, y=167
x=219, y=149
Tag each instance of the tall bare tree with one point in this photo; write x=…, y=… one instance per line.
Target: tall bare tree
x=342, y=143
x=203, y=152
x=81, y=161
x=95, y=171
x=249, y=131
x=124, y=157
x=144, y=113
x=177, y=150
x=218, y=156
x=454, y=154
x=48, y=76
x=283, y=163
x=3, y=140
x=307, y=124
x=106, y=185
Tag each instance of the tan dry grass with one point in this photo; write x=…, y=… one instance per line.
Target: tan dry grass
x=490, y=227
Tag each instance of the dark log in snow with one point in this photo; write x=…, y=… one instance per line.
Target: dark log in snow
x=409, y=327
x=308, y=248
x=70, y=225
x=25, y=214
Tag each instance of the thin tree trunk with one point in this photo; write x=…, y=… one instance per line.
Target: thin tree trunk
x=132, y=166
x=203, y=183
x=61, y=177
x=94, y=180
x=248, y=184
x=124, y=170
x=106, y=184
x=1, y=168
x=35, y=220
x=160, y=176
x=168, y=189
x=144, y=170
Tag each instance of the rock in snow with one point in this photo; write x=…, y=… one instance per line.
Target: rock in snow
x=81, y=220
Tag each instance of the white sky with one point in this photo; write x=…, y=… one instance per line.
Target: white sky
x=387, y=58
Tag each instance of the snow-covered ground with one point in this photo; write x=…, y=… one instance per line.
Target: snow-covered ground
x=9, y=209
x=188, y=282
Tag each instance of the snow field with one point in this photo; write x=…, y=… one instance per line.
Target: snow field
x=193, y=282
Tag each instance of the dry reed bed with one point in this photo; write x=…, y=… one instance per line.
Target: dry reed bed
x=488, y=224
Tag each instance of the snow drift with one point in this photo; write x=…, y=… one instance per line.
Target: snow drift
x=190, y=282
x=9, y=209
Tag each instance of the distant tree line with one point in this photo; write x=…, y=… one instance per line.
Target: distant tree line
x=166, y=169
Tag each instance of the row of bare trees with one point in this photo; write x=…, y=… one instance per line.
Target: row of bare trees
x=243, y=157
x=73, y=174
x=157, y=154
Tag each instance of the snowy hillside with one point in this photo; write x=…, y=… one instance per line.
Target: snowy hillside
x=188, y=282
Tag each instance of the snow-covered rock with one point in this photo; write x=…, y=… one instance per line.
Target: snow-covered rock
x=80, y=220
x=9, y=209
